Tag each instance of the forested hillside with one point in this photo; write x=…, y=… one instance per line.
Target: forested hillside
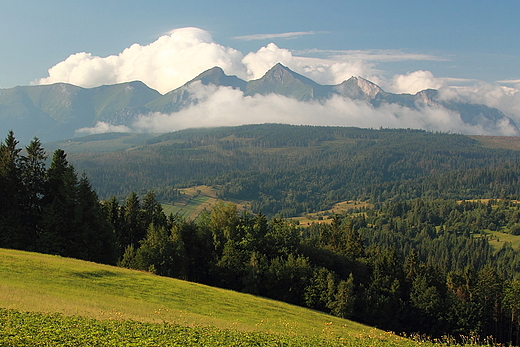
x=420, y=265
x=290, y=170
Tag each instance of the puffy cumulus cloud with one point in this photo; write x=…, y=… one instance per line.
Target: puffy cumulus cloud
x=164, y=65
x=182, y=54
x=262, y=60
x=84, y=70
x=412, y=82
x=103, y=127
x=226, y=106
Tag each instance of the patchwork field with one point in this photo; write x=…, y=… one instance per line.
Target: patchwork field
x=194, y=200
x=326, y=216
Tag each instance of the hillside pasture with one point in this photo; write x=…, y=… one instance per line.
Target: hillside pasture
x=44, y=283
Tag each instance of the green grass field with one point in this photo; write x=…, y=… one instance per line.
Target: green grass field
x=59, y=299
x=186, y=209
x=498, y=239
x=194, y=200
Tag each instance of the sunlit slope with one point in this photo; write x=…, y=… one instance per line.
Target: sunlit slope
x=44, y=283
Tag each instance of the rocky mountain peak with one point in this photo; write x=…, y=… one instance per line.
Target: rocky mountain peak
x=358, y=88
x=370, y=89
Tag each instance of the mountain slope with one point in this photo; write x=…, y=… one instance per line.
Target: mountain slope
x=296, y=169
x=358, y=88
x=183, y=97
x=54, y=112
x=280, y=80
x=36, y=282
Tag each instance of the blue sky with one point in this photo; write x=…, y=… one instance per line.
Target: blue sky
x=465, y=39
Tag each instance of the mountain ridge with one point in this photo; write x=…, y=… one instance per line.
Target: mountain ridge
x=55, y=112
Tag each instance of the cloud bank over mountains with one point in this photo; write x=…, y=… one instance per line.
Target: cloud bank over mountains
x=178, y=56
x=227, y=106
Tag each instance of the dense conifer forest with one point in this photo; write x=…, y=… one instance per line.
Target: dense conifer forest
x=420, y=261
x=50, y=210
x=288, y=170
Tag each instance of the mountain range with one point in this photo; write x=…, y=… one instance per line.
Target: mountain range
x=55, y=112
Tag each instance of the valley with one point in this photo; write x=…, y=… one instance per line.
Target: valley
x=399, y=229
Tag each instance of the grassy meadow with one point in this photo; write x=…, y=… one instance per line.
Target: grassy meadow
x=497, y=239
x=194, y=200
x=57, y=301
x=326, y=216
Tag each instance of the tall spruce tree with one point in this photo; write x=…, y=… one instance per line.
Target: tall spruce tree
x=33, y=179
x=134, y=228
x=11, y=189
x=59, y=210
x=93, y=236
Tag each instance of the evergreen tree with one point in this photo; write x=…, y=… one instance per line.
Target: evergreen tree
x=34, y=181
x=134, y=228
x=511, y=302
x=113, y=213
x=319, y=294
x=92, y=237
x=344, y=299
x=59, y=211
x=354, y=243
x=11, y=190
x=153, y=211
x=155, y=253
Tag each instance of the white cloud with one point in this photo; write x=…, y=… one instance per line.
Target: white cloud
x=103, y=127
x=226, y=106
x=289, y=35
x=180, y=55
x=164, y=64
x=385, y=55
x=413, y=82
x=506, y=99
x=509, y=82
x=323, y=71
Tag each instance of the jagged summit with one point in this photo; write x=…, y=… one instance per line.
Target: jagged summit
x=216, y=76
x=54, y=112
x=280, y=74
x=370, y=89
x=358, y=88
x=281, y=80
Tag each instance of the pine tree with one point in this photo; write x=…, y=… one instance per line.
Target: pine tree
x=354, y=243
x=59, y=211
x=134, y=229
x=153, y=211
x=344, y=299
x=11, y=190
x=92, y=237
x=33, y=178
